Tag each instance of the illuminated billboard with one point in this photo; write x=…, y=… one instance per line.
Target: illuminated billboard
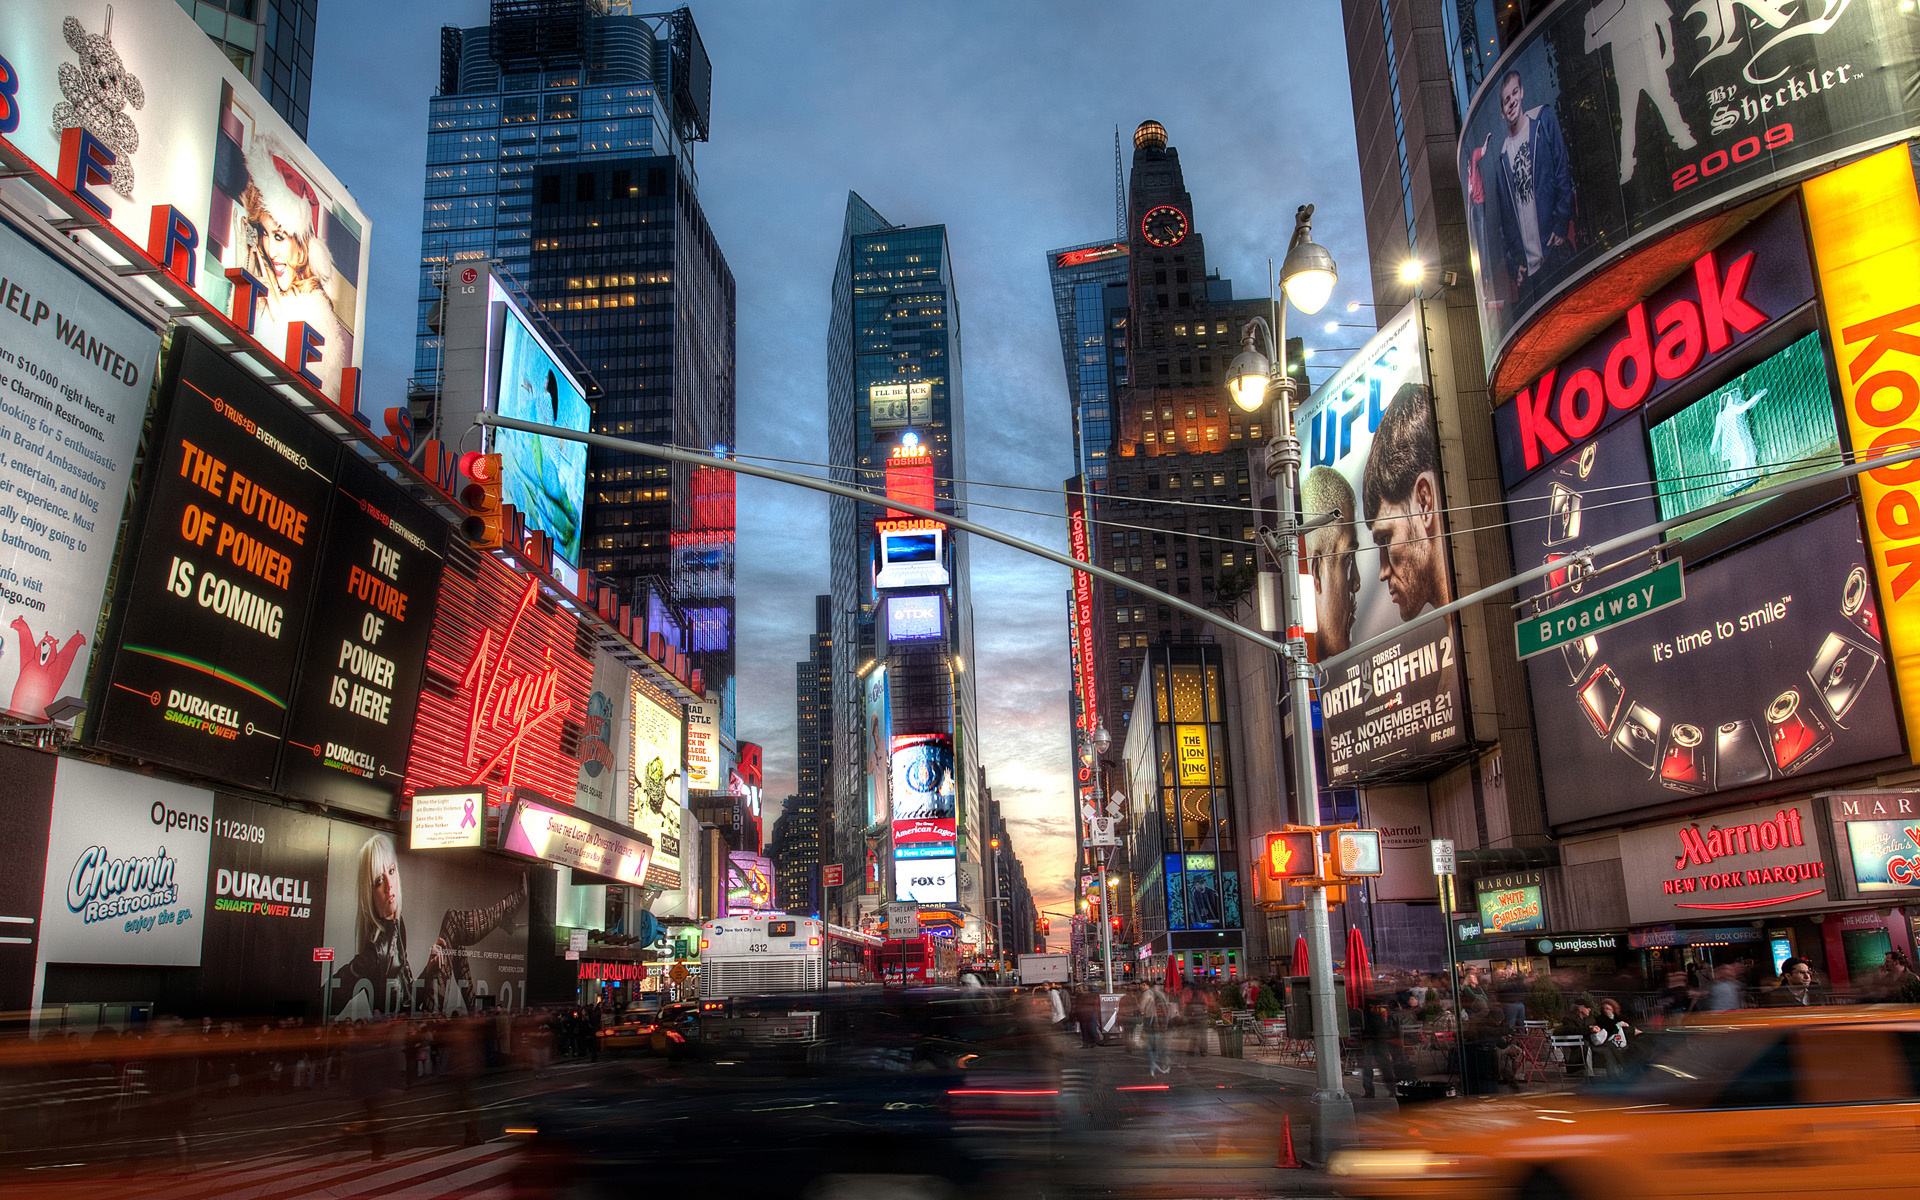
x=506, y=686
x=655, y=799
x=546, y=478
x=1865, y=222
x=702, y=564
x=879, y=745
x=909, y=554
x=68, y=481
x=213, y=604
x=918, y=618
x=1373, y=459
x=922, y=773
x=176, y=150
x=545, y=829
x=749, y=883
x=894, y=404
x=910, y=477
x=926, y=880
x=703, y=746
x=443, y=820
x=925, y=837
x=1606, y=125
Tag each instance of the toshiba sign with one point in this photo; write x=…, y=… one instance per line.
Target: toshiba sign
x=1732, y=294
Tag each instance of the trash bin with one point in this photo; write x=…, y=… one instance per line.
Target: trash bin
x=1232, y=1042
x=1483, y=1069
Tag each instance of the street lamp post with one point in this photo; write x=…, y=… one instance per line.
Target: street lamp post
x=999, y=932
x=1308, y=275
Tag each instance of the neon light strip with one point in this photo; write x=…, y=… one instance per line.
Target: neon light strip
x=1758, y=903
x=209, y=669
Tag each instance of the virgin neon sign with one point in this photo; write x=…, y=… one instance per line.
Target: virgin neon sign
x=508, y=702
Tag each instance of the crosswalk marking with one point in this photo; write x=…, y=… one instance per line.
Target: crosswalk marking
x=435, y=1173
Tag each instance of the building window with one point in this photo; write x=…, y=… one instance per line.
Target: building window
x=1179, y=559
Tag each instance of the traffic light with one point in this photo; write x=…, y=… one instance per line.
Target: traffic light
x=1046, y=925
x=1115, y=922
x=1357, y=851
x=481, y=498
x=1290, y=855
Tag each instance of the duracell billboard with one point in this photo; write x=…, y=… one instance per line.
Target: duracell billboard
x=211, y=613
x=273, y=626
x=1611, y=121
x=1717, y=386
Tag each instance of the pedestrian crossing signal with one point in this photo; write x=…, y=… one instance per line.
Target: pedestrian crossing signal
x=481, y=498
x=1291, y=855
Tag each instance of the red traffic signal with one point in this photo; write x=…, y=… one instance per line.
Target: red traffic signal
x=1290, y=855
x=481, y=498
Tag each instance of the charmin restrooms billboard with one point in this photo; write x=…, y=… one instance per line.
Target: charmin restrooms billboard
x=1610, y=122
x=132, y=107
x=1373, y=461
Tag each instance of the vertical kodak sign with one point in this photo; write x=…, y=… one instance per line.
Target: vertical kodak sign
x=1865, y=222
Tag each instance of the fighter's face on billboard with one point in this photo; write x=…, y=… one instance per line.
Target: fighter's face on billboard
x=1407, y=531
x=1336, y=581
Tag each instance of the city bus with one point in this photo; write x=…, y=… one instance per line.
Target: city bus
x=853, y=957
x=757, y=953
x=919, y=961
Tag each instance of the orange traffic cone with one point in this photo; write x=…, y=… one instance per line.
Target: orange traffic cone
x=1287, y=1157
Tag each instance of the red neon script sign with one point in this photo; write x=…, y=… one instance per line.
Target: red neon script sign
x=505, y=701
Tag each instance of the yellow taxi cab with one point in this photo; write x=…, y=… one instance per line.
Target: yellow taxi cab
x=1804, y=1102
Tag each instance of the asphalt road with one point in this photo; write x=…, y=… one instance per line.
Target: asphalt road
x=1210, y=1130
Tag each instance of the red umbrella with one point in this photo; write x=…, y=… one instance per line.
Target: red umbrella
x=1358, y=968
x=1299, y=956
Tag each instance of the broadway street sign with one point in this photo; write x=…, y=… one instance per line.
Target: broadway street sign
x=1628, y=600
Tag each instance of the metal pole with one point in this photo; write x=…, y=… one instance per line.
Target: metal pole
x=1453, y=977
x=1331, y=1107
x=1106, y=923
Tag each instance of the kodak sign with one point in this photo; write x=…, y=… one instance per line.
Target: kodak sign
x=1661, y=343
x=1865, y=222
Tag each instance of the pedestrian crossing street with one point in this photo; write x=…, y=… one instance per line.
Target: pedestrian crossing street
x=415, y=1173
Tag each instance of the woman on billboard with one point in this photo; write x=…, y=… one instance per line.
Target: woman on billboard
x=379, y=979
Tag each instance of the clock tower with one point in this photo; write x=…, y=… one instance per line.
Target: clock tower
x=1169, y=275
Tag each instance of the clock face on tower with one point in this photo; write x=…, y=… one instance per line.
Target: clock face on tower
x=1164, y=225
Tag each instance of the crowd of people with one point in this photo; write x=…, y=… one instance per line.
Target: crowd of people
x=1502, y=1019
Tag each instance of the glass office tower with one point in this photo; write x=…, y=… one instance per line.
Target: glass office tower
x=560, y=146
x=270, y=40
x=894, y=397
x=1093, y=343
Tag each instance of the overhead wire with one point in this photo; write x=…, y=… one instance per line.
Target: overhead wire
x=1815, y=462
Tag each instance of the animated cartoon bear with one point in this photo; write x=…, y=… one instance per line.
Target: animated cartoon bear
x=96, y=91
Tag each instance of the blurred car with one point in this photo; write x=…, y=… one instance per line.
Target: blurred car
x=1790, y=1102
x=892, y=1092
x=670, y=1031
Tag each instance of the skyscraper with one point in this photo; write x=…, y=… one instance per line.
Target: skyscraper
x=560, y=145
x=894, y=422
x=270, y=40
x=1090, y=300
x=808, y=810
